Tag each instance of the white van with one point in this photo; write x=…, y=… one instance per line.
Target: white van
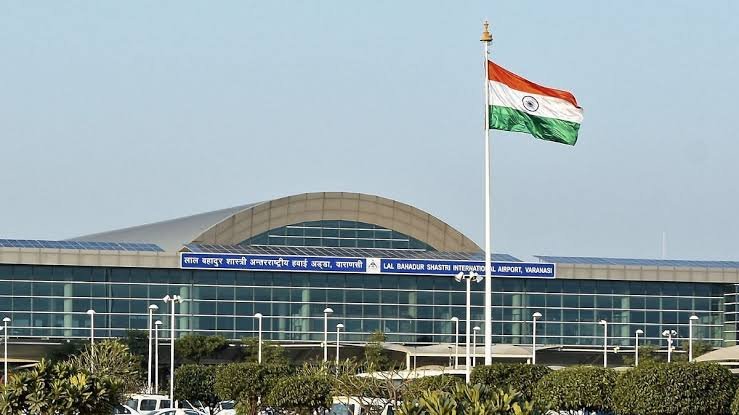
x=350, y=405
x=148, y=404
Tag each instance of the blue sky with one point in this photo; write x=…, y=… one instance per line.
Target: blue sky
x=115, y=114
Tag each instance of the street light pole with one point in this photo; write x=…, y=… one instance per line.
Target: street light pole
x=338, y=329
x=157, y=324
x=456, y=341
x=6, y=320
x=259, y=316
x=326, y=312
x=152, y=308
x=690, y=336
x=475, y=330
x=669, y=334
x=91, y=313
x=174, y=299
x=636, y=349
x=605, y=342
x=468, y=279
x=535, y=317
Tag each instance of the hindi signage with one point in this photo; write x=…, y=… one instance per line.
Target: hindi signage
x=288, y=263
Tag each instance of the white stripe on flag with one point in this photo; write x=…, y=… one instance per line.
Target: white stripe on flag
x=502, y=95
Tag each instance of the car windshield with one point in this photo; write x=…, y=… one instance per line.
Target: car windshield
x=339, y=409
x=227, y=405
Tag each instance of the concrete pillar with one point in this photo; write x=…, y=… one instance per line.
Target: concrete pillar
x=305, y=314
x=68, y=307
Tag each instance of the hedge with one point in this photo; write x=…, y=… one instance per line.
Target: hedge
x=577, y=388
x=303, y=394
x=675, y=389
x=520, y=377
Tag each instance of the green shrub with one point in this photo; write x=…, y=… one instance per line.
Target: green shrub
x=416, y=387
x=467, y=400
x=247, y=382
x=303, y=394
x=60, y=388
x=520, y=377
x=196, y=382
x=674, y=389
x=576, y=388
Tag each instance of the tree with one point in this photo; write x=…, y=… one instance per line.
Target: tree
x=192, y=348
x=60, y=388
x=272, y=353
x=111, y=358
x=374, y=354
x=65, y=350
x=196, y=382
x=246, y=382
x=304, y=394
x=520, y=377
x=137, y=342
x=680, y=388
x=415, y=388
x=648, y=354
x=576, y=389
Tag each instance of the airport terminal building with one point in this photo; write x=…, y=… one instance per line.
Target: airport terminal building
x=378, y=263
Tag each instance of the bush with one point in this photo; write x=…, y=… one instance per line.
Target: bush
x=416, y=387
x=196, y=382
x=674, y=389
x=247, y=382
x=576, y=388
x=520, y=377
x=304, y=394
x=468, y=400
x=59, y=388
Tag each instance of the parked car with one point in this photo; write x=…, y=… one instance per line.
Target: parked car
x=176, y=411
x=124, y=409
x=148, y=404
x=225, y=408
x=196, y=406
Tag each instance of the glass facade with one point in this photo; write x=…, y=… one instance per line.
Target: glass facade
x=337, y=233
x=51, y=302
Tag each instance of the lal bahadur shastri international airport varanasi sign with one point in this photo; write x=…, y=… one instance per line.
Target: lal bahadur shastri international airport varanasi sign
x=288, y=263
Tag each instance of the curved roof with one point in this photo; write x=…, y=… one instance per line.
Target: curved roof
x=234, y=225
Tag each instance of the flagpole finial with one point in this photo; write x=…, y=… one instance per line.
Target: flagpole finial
x=486, y=36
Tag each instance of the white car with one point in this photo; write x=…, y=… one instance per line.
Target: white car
x=124, y=410
x=225, y=408
x=148, y=404
x=176, y=411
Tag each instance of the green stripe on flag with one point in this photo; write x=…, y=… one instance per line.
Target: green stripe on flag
x=550, y=129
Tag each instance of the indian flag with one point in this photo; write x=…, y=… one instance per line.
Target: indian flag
x=519, y=105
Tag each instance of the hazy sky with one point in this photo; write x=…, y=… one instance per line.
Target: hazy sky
x=115, y=114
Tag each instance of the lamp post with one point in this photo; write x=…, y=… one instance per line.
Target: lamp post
x=669, y=334
x=157, y=324
x=636, y=349
x=259, y=316
x=535, y=317
x=6, y=320
x=456, y=341
x=468, y=278
x=690, y=336
x=91, y=313
x=172, y=299
x=326, y=312
x=475, y=330
x=605, y=342
x=338, y=329
x=152, y=309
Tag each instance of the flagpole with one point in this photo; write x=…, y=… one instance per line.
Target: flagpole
x=486, y=39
